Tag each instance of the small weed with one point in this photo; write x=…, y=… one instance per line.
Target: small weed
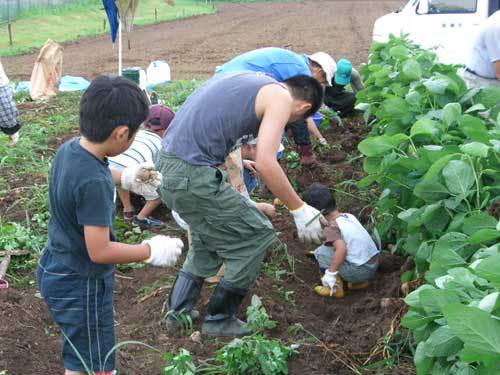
x=185, y=321
x=179, y=364
x=278, y=259
x=287, y=295
x=257, y=317
x=255, y=355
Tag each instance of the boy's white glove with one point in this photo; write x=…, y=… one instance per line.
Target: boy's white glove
x=164, y=250
x=308, y=223
x=142, y=179
x=329, y=280
x=323, y=141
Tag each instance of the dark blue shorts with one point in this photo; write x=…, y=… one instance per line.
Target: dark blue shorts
x=82, y=307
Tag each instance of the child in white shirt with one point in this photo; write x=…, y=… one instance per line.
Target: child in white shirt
x=348, y=253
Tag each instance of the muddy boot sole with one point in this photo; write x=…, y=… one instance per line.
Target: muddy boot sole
x=231, y=327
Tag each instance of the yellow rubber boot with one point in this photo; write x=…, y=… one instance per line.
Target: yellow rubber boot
x=358, y=286
x=325, y=292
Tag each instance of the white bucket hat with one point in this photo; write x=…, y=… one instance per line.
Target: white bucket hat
x=327, y=63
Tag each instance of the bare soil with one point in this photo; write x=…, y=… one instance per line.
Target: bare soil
x=347, y=329
x=195, y=46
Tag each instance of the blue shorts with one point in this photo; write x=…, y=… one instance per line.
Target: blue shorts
x=82, y=307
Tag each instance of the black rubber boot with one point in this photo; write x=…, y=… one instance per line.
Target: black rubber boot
x=220, y=318
x=182, y=298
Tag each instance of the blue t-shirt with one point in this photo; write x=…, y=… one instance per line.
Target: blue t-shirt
x=81, y=192
x=277, y=63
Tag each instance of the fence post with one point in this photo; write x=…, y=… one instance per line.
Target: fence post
x=10, y=33
x=156, y=15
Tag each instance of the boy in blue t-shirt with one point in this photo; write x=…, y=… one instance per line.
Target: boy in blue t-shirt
x=76, y=271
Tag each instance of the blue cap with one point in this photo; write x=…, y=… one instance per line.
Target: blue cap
x=343, y=73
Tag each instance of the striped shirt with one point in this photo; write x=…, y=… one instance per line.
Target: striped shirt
x=144, y=149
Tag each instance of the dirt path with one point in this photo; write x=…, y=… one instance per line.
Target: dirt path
x=194, y=47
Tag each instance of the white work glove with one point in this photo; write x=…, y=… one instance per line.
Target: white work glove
x=164, y=250
x=329, y=280
x=323, y=141
x=142, y=179
x=308, y=223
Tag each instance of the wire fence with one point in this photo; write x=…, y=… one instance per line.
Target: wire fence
x=10, y=9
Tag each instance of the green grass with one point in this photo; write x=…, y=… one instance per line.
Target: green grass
x=73, y=21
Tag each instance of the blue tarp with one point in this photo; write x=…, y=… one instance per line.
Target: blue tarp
x=112, y=13
x=70, y=83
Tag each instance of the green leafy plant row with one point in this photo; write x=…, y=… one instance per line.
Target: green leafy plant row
x=434, y=154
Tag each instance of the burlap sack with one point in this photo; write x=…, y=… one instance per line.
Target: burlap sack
x=47, y=71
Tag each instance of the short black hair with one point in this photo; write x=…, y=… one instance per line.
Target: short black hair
x=308, y=89
x=320, y=197
x=108, y=103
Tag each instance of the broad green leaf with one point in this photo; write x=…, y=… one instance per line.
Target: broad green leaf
x=458, y=176
x=435, y=218
x=484, y=236
x=412, y=69
x=367, y=181
x=399, y=52
x=489, y=269
x=371, y=165
x=413, y=98
x=414, y=319
x=457, y=242
x=433, y=300
x=478, y=221
x=412, y=216
x=423, y=363
x=427, y=127
x=436, y=86
x=457, y=223
x=437, y=166
x=475, y=149
x=446, y=259
x=440, y=369
x=474, y=129
x=442, y=343
x=379, y=146
x=475, y=327
x=489, y=96
x=452, y=113
x=395, y=110
x=476, y=108
x=431, y=190
x=413, y=298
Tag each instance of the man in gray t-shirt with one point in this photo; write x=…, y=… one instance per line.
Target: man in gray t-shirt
x=226, y=227
x=483, y=68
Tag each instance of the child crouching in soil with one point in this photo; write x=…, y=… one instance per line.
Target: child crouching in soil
x=348, y=253
x=76, y=271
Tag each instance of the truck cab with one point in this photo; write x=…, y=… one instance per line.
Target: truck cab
x=448, y=26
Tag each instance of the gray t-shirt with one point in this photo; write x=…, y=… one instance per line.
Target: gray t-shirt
x=217, y=117
x=486, y=49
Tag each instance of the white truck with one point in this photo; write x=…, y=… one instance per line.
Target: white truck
x=449, y=26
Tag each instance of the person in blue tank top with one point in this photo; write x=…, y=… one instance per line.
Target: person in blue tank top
x=226, y=227
x=282, y=64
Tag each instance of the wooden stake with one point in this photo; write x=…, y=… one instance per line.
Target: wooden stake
x=156, y=15
x=9, y=27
